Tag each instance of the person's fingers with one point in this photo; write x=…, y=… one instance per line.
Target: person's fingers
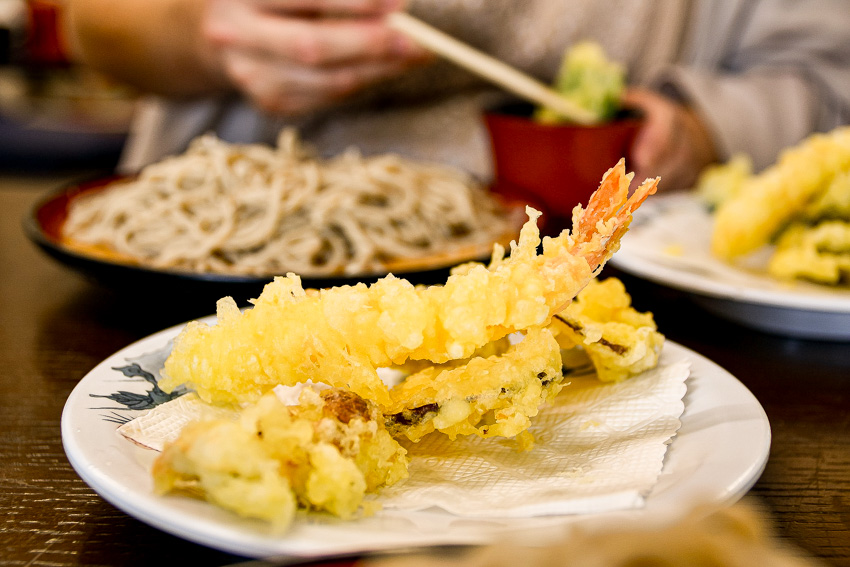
x=305, y=40
x=657, y=145
x=650, y=144
x=654, y=139
x=673, y=142
x=292, y=89
x=332, y=7
x=287, y=61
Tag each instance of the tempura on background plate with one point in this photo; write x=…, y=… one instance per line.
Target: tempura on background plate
x=801, y=205
x=484, y=350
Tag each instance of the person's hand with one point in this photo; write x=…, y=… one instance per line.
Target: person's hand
x=295, y=56
x=673, y=142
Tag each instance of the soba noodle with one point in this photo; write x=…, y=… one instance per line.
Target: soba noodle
x=254, y=209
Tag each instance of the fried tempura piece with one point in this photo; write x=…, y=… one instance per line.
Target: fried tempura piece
x=227, y=465
x=489, y=397
x=718, y=183
x=807, y=197
x=619, y=340
x=341, y=335
x=495, y=348
x=832, y=204
x=324, y=454
x=818, y=253
x=769, y=200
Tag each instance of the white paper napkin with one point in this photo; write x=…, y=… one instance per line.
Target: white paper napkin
x=599, y=447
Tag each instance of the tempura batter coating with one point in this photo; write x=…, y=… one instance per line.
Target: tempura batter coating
x=324, y=454
x=227, y=465
x=769, y=200
x=720, y=182
x=490, y=397
x=619, y=340
x=831, y=204
x=341, y=335
x=819, y=253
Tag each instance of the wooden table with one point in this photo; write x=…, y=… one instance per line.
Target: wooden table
x=55, y=326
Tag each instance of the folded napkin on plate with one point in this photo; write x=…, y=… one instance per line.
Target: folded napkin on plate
x=599, y=447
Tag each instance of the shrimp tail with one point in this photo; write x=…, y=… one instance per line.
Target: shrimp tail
x=598, y=228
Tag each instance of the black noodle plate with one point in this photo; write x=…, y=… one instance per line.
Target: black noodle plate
x=43, y=225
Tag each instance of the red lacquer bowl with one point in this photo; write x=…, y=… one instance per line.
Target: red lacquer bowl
x=554, y=167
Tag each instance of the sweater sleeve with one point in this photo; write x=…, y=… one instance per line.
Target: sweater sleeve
x=783, y=73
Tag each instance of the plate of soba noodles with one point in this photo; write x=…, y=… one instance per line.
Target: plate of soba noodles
x=235, y=215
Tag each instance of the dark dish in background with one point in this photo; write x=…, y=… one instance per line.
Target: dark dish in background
x=554, y=166
x=61, y=118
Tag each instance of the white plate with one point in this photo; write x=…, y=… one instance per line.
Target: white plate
x=719, y=452
x=669, y=243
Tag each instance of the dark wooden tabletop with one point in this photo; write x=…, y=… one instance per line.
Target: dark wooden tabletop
x=55, y=326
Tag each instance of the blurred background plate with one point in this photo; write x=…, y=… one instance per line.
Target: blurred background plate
x=669, y=243
x=61, y=117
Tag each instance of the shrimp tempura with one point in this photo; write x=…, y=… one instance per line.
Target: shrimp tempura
x=341, y=335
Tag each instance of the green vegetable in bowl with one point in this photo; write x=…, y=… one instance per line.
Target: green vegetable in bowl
x=590, y=80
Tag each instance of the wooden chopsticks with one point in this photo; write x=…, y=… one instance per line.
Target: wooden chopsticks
x=490, y=68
